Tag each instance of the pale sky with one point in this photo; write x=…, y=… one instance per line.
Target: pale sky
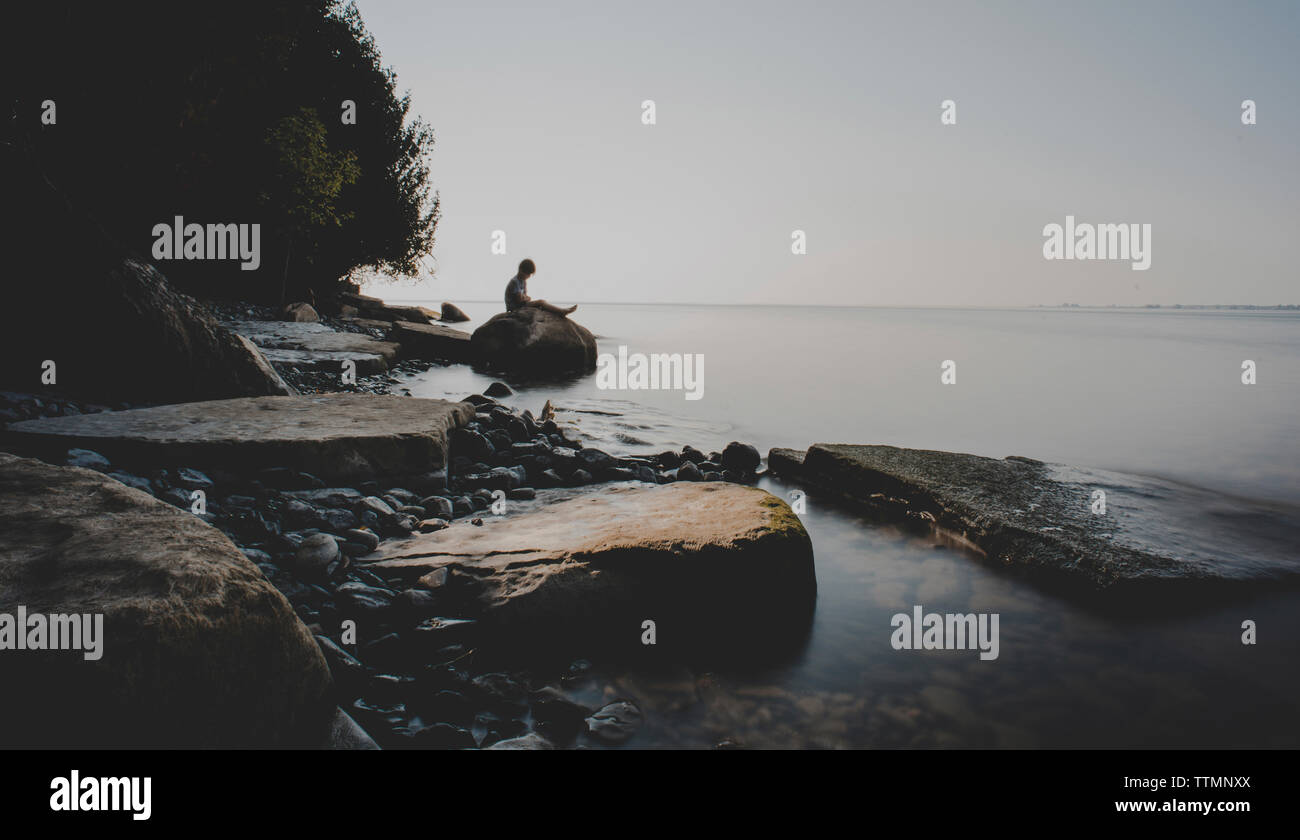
x=825, y=117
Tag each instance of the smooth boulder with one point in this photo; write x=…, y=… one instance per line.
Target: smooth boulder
x=198, y=648
x=534, y=342
x=699, y=554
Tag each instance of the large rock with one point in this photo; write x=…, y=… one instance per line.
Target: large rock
x=336, y=436
x=127, y=335
x=684, y=555
x=199, y=649
x=534, y=342
x=1043, y=518
x=373, y=307
x=431, y=341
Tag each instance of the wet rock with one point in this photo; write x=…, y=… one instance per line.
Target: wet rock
x=501, y=692
x=363, y=536
x=531, y=741
x=87, y=459
x=558, y=718
x=315, y=555
x=471, y=444
x=444, y=736
x=349, y=674
x=133, y=481
x=364, y=597
x=740, y=457
x=497, y=389
x=615, y=723
x=437, y=507
x=689, y=472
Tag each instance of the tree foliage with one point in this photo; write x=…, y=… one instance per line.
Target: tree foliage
x=227, y=112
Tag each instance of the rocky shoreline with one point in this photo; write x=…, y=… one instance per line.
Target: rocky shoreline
x=418, y=671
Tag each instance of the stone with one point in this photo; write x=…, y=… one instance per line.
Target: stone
x=133, y=481
x=689, y=472
x=198, y=647
x=740, y=457
x=531, y=741
x=345, y=734
x=438, y=507
x=497, y=389
x=558, y=717
x=535, y=342
x=432, y=342
x=363, y=536
x=704, y=551
x=444, y=736
x=471, y=444
x=315, y=555
x=451, y=313
x=615, y=723
x=303, y=312
x=87, y=459
x=338, y=436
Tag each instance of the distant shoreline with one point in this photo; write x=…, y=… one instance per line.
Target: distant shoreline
x=1200, y=307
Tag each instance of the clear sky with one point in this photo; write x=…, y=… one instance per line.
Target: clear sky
x=825, y=117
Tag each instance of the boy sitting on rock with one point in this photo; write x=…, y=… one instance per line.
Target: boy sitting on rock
x=517, y=292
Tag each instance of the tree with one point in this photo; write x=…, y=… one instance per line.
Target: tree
x=309, y=179
x=201, y=110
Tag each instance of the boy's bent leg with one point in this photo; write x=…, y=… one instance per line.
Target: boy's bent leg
x=552, y=308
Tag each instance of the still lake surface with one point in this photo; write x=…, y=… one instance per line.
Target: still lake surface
x=1154, y=393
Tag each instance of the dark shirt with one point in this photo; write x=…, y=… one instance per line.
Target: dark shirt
x=516, y=293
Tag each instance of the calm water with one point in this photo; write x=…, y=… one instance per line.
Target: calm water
x=1153, y=393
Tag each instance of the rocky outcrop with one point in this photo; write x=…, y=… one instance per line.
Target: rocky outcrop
x=452, y=314
x=432, y=342
x=697, y=555
x=129, y=336
x=331, y=436
x=373, y=307
x=1042, y=519
x=198, y=648
x=533, y=342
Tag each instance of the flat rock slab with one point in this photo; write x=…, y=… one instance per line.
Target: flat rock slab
x=311, y=344
x=198, y=648
x=367, y=364
x=335, y=436
x=701, y=552
x=1040, y=517
x=431, y=341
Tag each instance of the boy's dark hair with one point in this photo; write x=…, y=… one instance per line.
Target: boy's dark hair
x=527, y=267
